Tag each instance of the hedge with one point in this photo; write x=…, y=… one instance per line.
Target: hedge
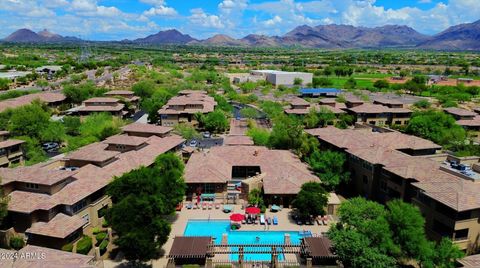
x=84, y=245
x=100, y=237
x=103, y=246
x=17, y=242
x=190, y=266
x=68, y=247
x=223, y=266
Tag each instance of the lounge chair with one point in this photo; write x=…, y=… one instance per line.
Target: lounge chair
x=318, y=220
x=269, y=221
x=217, y=206
x=262, y=219
x=325, y=220
x=189, y=206
x=275, y=220
x=204, y=206
x=210, y=206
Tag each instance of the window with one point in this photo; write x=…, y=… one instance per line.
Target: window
x=103, y=211
x=78, y=206
x=3, y=152
x=461, y=234
x=365, y=179
x=209, y=188
x=32, y=185
x=398, y=122
x=86, y=219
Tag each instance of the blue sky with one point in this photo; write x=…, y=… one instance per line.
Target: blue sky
x=120, y=19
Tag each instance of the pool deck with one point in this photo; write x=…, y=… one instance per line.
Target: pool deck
x=181, y=218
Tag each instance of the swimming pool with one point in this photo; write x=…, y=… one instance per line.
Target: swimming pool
x=216, y=228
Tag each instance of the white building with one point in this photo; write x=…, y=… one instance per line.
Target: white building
x=281, y=78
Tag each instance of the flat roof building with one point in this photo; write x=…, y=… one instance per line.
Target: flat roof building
x=319, y=92
x=282, y=78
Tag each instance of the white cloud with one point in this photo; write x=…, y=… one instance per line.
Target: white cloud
x=154, y=2
x=160, y=11
x=200, y=18
x=273, y=21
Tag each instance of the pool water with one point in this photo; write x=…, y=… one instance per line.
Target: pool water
x=216, y=228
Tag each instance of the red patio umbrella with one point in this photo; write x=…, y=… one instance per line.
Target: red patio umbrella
x=252, y=210
x=237, y=217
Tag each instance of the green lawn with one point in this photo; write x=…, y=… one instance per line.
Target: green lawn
x=339, y=82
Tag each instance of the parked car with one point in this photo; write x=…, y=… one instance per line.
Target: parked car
x=50, y=146
x=193, y=143
x=207, y=135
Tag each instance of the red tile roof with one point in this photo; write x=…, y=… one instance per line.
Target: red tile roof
x=34, y=174
x=146, y=129
x=60, y=226
x=208, y=103
x=40, y=257
x=95, y=152
x=46, y=97
x=101, y=100
x=459, y=112
x=284, y=172
x=10, y=143
x=238, y=140
x=126, y=140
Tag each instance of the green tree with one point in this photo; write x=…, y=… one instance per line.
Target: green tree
x=408, y=229
x=4, y=84
x=351, y=83
x=79, y=93
x=311, y=120
x=272, y=109
x=141, y=199
x=55, y=131
x=422, y=104
x=311, y=200
x=354, y=249
x=446, y=253
x=72, y=125
x=144, y=88
x=216, y=121
x=298, y=81
x=187, y=131
x=381, y=84
x=437, y=127
x=249, y=112
x=286, y=133
x=259, y=136
x=255, y=197
x=29, y=120
x=329, y=167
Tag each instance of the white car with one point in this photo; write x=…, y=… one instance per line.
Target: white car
x=193, y=143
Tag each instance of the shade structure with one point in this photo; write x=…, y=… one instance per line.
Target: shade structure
x=275, y=208
x=252, y=210
x=237, y=217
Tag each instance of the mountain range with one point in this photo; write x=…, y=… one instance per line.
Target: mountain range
x=460, y=37
x=29, y=36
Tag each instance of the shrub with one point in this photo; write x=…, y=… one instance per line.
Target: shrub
x=190, y=266
x=96, y=230
x=223, y=266
x=68, y=247
x=17, y=242
x=103, y=246
x=84, y=245
x=100, y=237
x=105, y=223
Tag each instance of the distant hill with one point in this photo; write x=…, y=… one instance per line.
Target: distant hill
x=222, y=40
x=460, y=37
x=166, y=37
x=29, y=36
x=347, y=36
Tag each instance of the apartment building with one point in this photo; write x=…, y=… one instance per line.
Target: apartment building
x=11, y=151
x=465, y=118
x=51, y=99
x=182, y=108
x=299, y=106
x=392, y=165
x=53, y=202
x=376, y=114
x=282, y=172
x=112, y=106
